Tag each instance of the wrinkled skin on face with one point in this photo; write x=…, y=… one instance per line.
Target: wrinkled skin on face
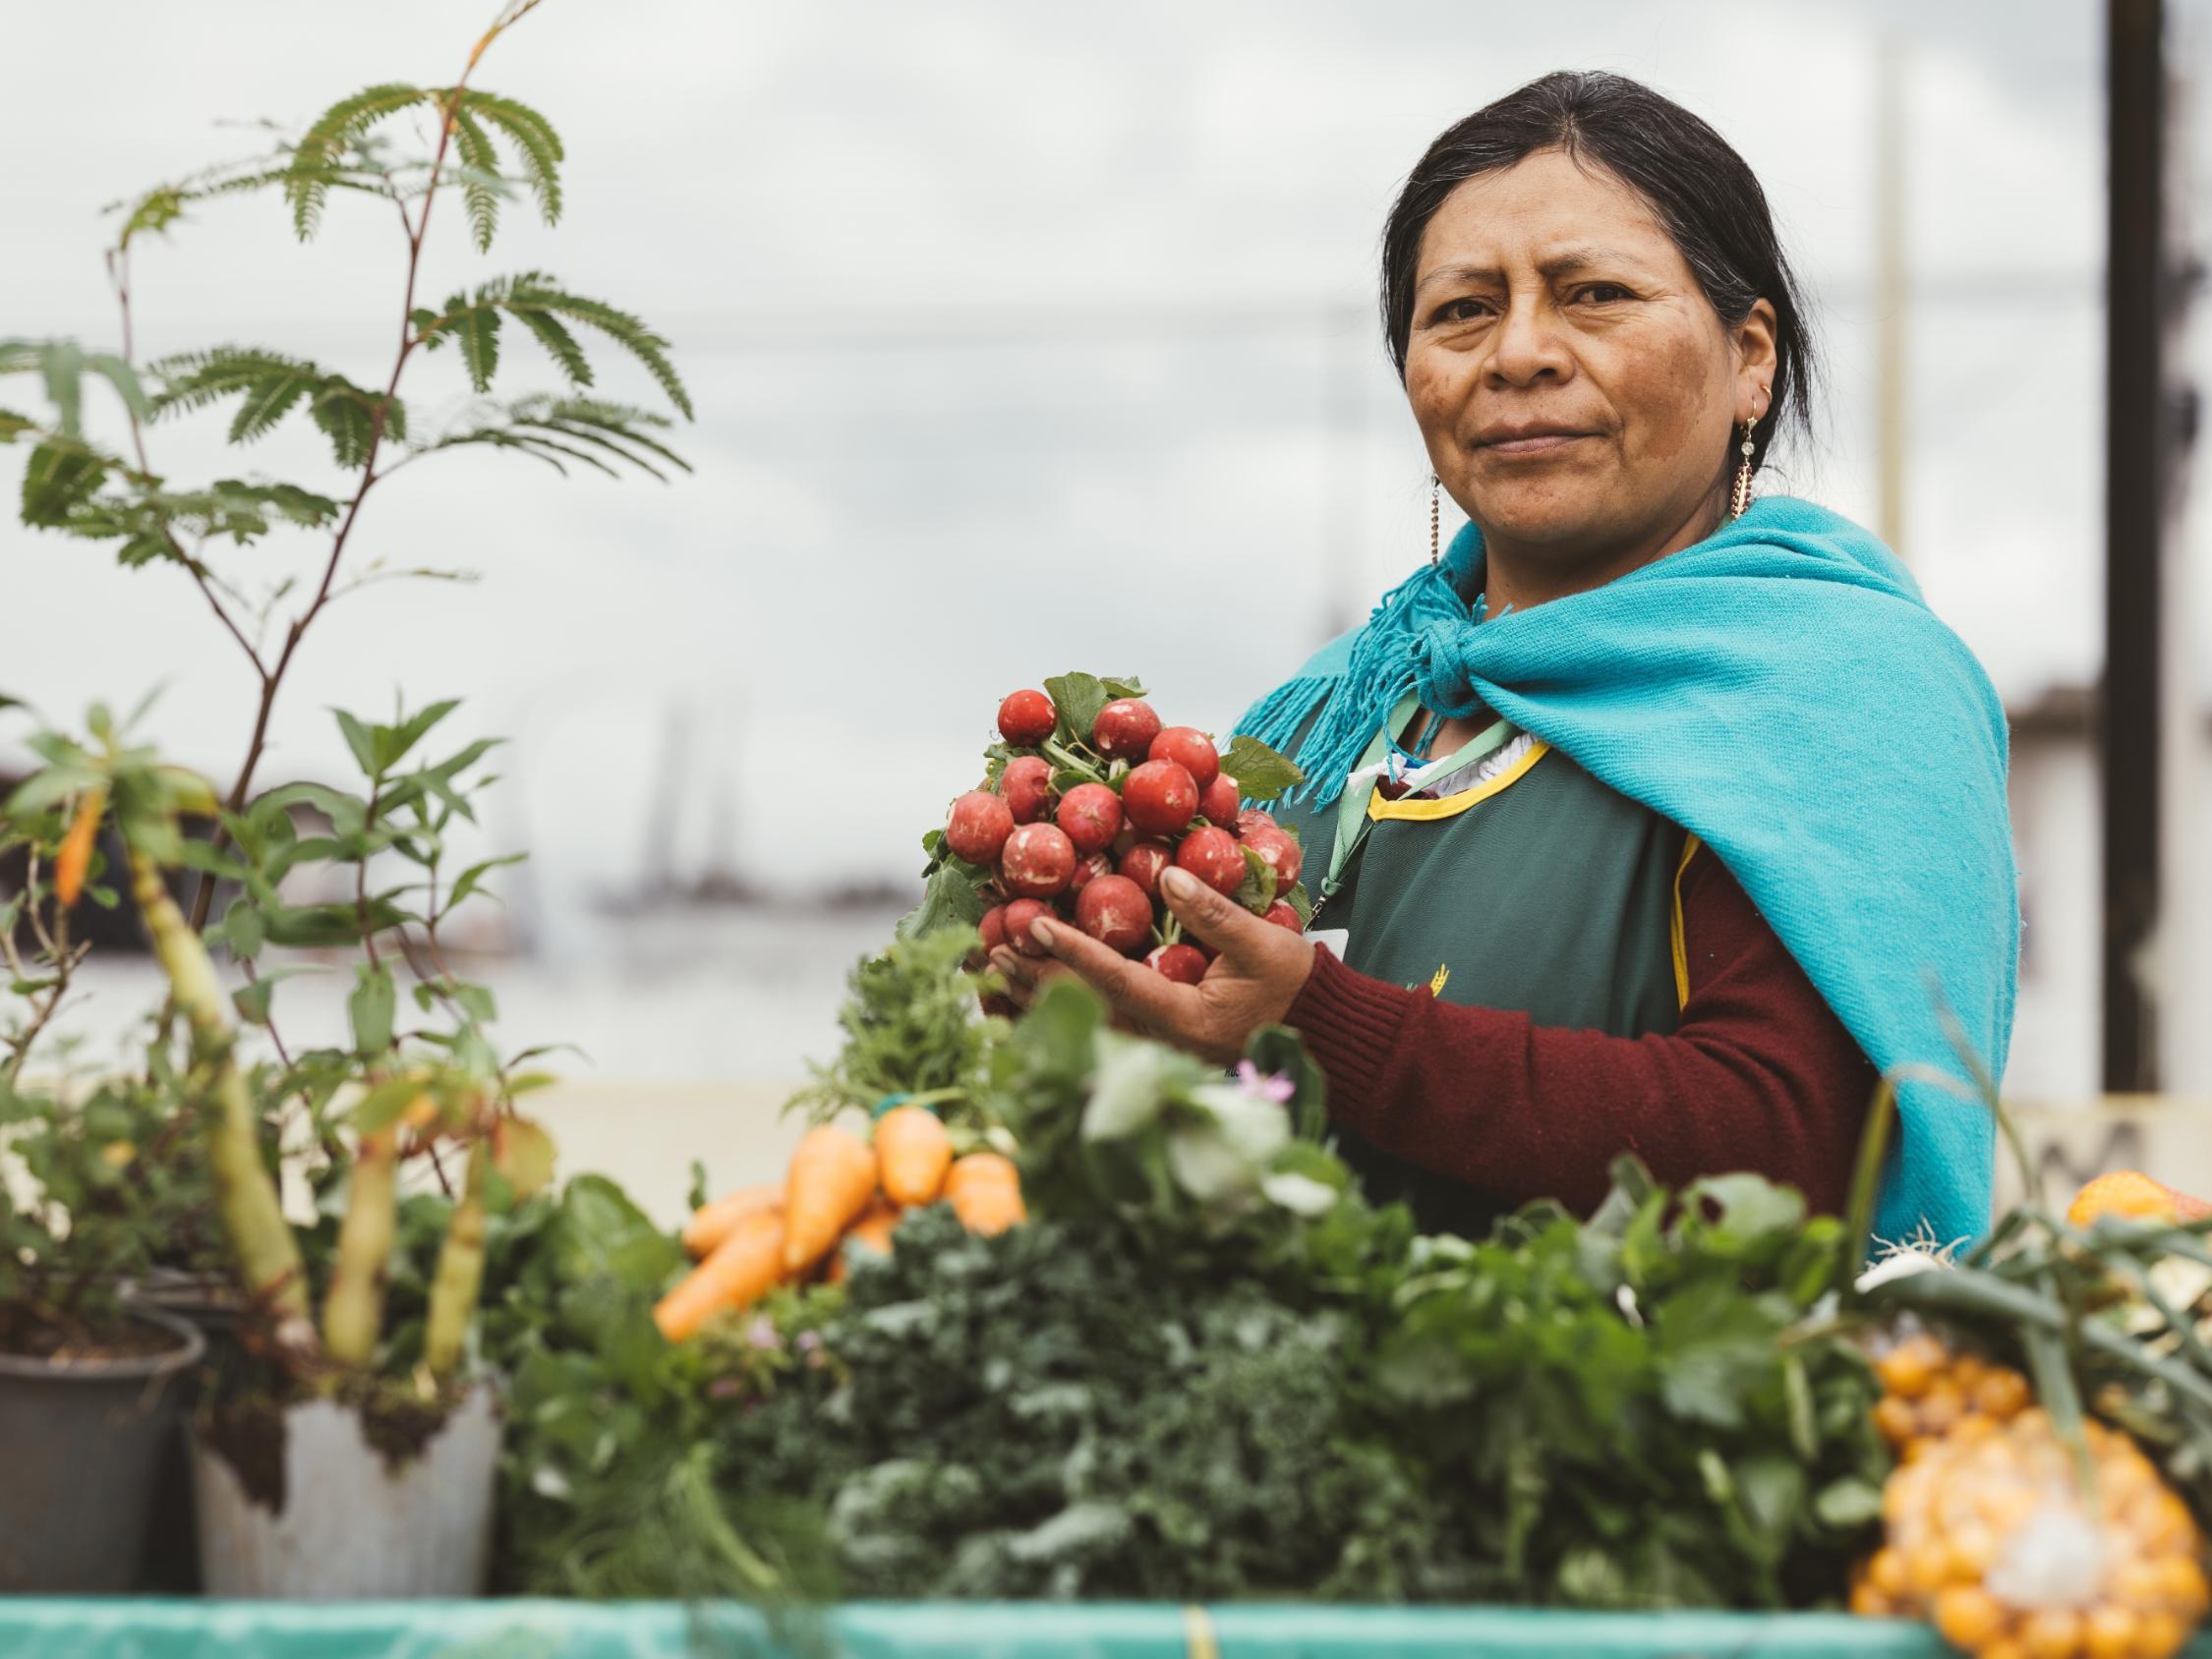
x=1579, y=396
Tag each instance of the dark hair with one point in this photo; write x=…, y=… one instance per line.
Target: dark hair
x=1692, y=178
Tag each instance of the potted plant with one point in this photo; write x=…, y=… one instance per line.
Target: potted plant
x=352, y=1454
x=91, y=1381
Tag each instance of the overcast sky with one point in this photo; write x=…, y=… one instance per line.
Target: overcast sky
x=1021, y=339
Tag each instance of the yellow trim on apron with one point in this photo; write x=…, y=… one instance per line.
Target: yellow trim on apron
x=1426, y=812
x=1690, y=845
x=1199, y=1641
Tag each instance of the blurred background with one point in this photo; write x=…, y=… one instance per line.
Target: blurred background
x=1024, y=341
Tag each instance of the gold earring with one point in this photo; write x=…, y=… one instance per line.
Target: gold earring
x=1435, y=490
x=1742, y=496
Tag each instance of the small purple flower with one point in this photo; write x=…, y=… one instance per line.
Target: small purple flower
x=723, y=1387
x=1254, y=1081
x=762, y=1334
x=807, y=1341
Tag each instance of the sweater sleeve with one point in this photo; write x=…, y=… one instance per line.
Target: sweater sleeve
x=1759, y=1073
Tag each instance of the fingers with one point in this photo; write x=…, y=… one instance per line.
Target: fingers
x=1220, y=922
x=1133, y=988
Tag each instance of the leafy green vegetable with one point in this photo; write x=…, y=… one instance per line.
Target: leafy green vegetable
x=913, y=1027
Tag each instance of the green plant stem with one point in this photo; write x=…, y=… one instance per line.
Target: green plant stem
x=460, y=1271
x=205, y=897
x=352, y=1308
x=268, y=1256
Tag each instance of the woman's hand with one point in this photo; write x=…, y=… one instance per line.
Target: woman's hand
x=1252, y=982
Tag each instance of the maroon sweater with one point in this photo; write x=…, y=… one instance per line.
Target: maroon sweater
x=1758, y=1074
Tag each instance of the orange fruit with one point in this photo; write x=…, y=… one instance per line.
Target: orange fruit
x=1870, y=1603
x=2159, y=1635
x=1968, y=1616
x=2109, y=1633
x=1886, y=1571
x=1909, y=1368
x=2052, y=1632
x=1940, y=1408
x=2132, y=1193
x=2002, y=1393
x=1894, y=1418
x=2180, y=1582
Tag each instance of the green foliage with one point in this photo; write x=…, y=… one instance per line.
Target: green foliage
x=538, y=302
x=62, y=365
x=1644, y=1410
x=269, y=386
x=1261, y=773
x=586, y=430
x=115, y=1184
x=912, y=1028
x=334, y=133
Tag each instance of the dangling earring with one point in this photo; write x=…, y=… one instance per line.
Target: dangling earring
x=1435, y=490
x=1742, y=498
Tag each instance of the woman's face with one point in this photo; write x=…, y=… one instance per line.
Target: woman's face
x=1578, y=394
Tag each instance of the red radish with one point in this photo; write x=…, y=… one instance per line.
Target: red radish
x=1279, y=852
x=1091, y=815
x=1114, y=911
x=1159, y=798
x=1184, y=964
x=979, y=826
x=1037, y=862
x=1144, y=863
x=1019, y=915
x=1026, y=784
x=1283, y=916
x=1251, y=817
x=1026, y=718
x=1088, y=870
x=992, y=927
x=1125, y=730
x=1123, y=841
x=1191, y=749
x=1217, y=801
x=1213, y=856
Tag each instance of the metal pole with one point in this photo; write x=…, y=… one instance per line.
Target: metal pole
x=1891, y=301
x=2135, y=475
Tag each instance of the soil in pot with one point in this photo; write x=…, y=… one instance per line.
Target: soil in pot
x=84, y=1420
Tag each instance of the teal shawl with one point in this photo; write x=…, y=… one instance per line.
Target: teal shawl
x=1782, y=690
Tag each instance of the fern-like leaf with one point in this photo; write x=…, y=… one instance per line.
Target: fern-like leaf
x=270, y=385
x=536, y=144
x=534, y=291
x=14, y=426
x=316, y=158
x=63, y=366
x=559, y=342
x=479, y=164
x=580, y=430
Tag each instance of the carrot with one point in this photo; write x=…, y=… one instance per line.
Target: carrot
x=711, y=1223
x=986, y=1192
x=743, y=1267
x=831, y=1180
x=74, y=855
x=914, y=1151
x=872, y=1232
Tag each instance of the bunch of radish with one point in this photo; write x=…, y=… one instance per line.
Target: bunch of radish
x=1089, y=797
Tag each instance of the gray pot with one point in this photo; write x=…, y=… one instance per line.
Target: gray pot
x=78, y=1446
x=351, y=1526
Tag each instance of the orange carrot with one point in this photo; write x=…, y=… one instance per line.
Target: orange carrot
x=74, y=855
x=711, y=1223
x=914, y=1151
x=872, y=1232
x=743, y=1267
x=986, y=1192
x=831, y=1180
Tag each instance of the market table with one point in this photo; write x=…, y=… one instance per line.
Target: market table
x=33, y=1627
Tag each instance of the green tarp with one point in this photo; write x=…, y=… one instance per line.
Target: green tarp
x=37, y=1628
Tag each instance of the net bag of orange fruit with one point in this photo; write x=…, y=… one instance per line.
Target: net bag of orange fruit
x=2014, y=1542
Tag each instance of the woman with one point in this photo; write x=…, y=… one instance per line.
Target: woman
x=1651, y=817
